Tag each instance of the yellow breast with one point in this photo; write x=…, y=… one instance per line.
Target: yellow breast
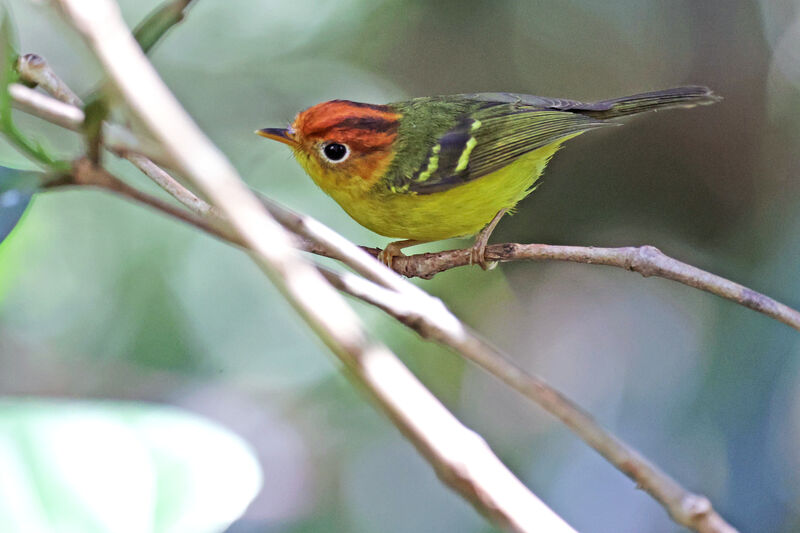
x=461, y=211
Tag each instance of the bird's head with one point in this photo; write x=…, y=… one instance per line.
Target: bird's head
x=342, y=145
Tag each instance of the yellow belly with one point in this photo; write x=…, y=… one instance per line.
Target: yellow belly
x=461, y=211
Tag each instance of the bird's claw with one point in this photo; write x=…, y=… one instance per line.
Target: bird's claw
x=387, y=255
x=477, y=254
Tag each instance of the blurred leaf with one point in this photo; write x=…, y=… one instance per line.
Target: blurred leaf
x=8, y=50
x=16, y=189
x=115, y=467
x=159, y=22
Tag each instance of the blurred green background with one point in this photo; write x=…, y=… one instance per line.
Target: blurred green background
x=103, y=299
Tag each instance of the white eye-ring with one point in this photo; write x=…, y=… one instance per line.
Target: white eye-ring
x=335, y=152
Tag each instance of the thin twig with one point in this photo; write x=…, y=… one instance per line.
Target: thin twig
x=86, y=174
x=646, y=260
x=460, y=457
x=34, y=69
x=117, y=138
x=171, y=185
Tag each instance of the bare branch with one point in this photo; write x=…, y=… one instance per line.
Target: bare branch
x=646, y=260
x=84, y=173
x=117, y=138
x=37, y=104
x=87, y=174
x=460, y=457
x=328, y=242
x=171, y=185
x=691, y=510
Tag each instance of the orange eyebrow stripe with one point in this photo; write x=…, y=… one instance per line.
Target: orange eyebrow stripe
x=347, y=117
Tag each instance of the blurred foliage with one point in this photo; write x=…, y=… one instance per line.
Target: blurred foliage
x=77, y=466
x=101, y=298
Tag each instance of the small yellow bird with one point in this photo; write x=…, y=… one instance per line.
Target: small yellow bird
x=447, y=166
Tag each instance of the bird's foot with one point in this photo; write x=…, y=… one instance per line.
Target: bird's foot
x=395, y=249
x=477, y=254
x=387, y=255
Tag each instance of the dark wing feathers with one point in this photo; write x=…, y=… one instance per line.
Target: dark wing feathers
x=507, y=137
x=687, y=96
x=491, y=138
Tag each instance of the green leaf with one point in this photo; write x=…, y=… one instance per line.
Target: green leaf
x=16, y=189
x=158, y=22
x=119, y=467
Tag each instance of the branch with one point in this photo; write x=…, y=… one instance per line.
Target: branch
x=118, y=139
x=34, y=69
x=691, y=510
x=432, y=320
x=461, y=457
x=84, y=173
x=646, y=260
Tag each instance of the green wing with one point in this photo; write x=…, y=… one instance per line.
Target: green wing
x=488, y=139
x=457, y=139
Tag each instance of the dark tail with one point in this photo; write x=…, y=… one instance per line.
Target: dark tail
x=640, y=103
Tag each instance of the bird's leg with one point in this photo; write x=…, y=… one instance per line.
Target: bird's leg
x=477, y=254
x=394, y=249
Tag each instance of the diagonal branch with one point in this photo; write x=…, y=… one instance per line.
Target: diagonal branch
x=118, y=139
x=461, y=457
x=691, y=510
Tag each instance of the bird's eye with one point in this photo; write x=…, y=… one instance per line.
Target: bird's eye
x=335, y=152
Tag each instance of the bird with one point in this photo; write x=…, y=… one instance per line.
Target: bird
x=438, y=167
